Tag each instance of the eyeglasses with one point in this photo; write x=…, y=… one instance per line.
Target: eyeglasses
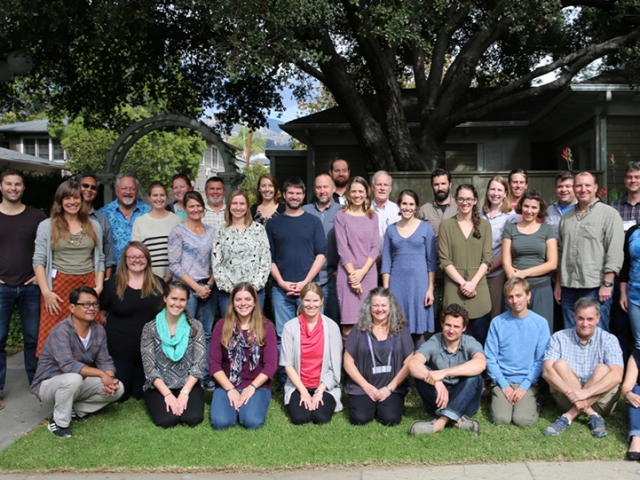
x=465, y=200
x=88, y=305
x=89, y=186
x=138, y=258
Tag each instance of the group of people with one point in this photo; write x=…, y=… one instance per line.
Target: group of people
x=142, y=284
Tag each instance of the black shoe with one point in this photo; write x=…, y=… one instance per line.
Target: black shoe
x=58, y=431
x=209, y=384
x=79, y=418
x=633, y=456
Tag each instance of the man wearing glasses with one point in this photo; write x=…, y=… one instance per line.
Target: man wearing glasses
x=123, y=211
x=89, y=186
x=75, y=372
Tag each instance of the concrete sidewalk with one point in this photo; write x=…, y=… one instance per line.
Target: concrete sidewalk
x=23, y=412
x=516, y=471
x=22, y=409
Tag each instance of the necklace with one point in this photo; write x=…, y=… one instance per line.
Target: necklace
x=76, y=239
x=382, y=327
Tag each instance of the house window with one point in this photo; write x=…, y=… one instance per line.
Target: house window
x=215, y=155
x=44, y=147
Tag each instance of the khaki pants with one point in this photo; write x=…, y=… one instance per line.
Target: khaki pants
x=71, y=391
x=523, y=414
x=605, y=405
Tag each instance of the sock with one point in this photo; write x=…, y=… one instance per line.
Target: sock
x=568, y=421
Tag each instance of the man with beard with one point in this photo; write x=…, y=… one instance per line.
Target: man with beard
x=340, y=174
x=124, y=210
x=214, y=209
x=298, y=251
x=89, y=187
x=325, y=209
x=18, y=226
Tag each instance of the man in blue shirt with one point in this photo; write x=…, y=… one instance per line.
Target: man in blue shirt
x=448, y=369
x=325, y=209
x=515, y=349
x=124, y=210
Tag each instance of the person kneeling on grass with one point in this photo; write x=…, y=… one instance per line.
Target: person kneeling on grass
x=515, y=349
x=173, y=357
x=243, y=357
x=583, y=366
x=75, y=372
x=448, y=369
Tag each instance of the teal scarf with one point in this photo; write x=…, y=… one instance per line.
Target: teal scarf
x=173, y=347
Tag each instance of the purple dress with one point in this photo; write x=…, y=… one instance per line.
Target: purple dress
x=358, y=238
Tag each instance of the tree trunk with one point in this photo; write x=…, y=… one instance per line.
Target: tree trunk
x=432, y=148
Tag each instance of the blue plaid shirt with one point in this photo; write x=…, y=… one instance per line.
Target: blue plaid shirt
x=120, y=226
x=602, y=347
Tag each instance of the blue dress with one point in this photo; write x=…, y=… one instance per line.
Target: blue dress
x=409, y=261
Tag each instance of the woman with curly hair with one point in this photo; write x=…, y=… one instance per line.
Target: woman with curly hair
x=68, y=255
x=243, y=358
x=464, y=248
x=358, y=240
x=530, y=250
x=376, y=355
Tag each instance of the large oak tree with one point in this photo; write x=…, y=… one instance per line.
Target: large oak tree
x=465, y=58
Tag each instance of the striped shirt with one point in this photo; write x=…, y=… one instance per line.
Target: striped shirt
x=154, y=233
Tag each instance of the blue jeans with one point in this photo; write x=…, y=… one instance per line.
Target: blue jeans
x=204, y=311
x=27, y=299
x=634, y=417
x=569, y=298
x=284, y=309
x=480, y=328
x=331, y=306
x=634, y=318
x=464, y=398
x=223, y=298
x=251, y=415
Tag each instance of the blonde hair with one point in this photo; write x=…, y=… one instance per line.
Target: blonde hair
x=59, y=226
x=506, y=204
x=231, y=319
x=248, y=218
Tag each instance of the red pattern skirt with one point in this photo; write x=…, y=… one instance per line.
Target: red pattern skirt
x=63, y=284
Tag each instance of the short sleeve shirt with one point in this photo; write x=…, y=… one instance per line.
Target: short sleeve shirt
x=439, y=357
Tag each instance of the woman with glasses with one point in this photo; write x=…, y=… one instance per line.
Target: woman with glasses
x=464, y=248
x=153, y=229
x=130, y=299
x=173, y=356
x=68, y=255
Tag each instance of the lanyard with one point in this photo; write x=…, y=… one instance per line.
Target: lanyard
x=382, y=368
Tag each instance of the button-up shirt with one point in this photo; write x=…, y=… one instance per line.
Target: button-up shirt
x=63, y=352
x=107, y=237
x=590, y=246
x=327, y=217
x=629, y=212
x=388, y=214
x=120, y=226
x=440, y=357
x=602, y=348
x=432, y=213
x=214, y=219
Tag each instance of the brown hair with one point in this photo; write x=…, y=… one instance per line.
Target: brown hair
x=193, y=195
x=475, y=214
x=533, y=195
x=506, y=206
x=455, y=310
x=514, y=282
x=248, y=218
x=182, y=176
x=178, y=285
x=277, y=196
x=231, y=319
x=156, y=184
x=59, y=226
x=366, y=205
x=150, y=282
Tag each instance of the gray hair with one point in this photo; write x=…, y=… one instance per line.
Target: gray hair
x=122, y=175
x=632, y=167
x=587, y=302
x=397, y=321
x=382, y=172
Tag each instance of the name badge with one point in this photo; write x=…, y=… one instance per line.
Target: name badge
x=628, y=224
x=381, y=369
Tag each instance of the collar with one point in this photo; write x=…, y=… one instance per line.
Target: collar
x=376, y=207
x=444, y=347
x=578, y=340
x=207, y=207
x=438, y=205
x=587, y=210
x=331, y=204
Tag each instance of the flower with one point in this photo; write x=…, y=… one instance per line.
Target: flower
x=566, y=155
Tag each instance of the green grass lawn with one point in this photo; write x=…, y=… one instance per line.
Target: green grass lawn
x=122, y=437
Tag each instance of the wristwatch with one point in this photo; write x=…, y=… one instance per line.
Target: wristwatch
x=186, y=392
x=607, y=283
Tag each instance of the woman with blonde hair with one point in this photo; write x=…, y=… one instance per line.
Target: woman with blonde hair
x=241, y=251
x=268, y=198
x=130, y=299
x=311, y=354
x=68, y=255
x=376, y=357
x=243, y=358
x=358, y=239
x=498, y=212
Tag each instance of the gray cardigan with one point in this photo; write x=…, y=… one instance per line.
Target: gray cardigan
x=331, y=360
x=43, y=254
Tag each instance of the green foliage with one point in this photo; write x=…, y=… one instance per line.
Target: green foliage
x=250, y=183
x=123, y=438
x=241, y=140
x=40, y=188
x=156, y=156
x=15, y=339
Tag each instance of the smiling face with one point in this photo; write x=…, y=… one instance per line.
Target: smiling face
x=586, y=322
x=518, y=301
x=453, y=328
x=380, y=308
x=632, y=181
x=465, y=200
x=12, y=188
x=194, y=210
x=215, y=193
x=136, y=260
x=238, y=207
x=311, y=305
x=324, y=189
x=530, y=210
x=176, y=301
x=381, y=189
x=243, y=304
x=585, y=188
x=127, y=191
x=517, y=184
x=357, y=194
x=89, y=189
x=496, y=193
x=79, y=312
x=158, y=198
x=564, y=192
x=293, y=197
x=180, y=187
x=266, y=189
x=71, y=205
x=407, y=207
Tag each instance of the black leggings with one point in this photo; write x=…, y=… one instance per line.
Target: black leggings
x=363, y=410
x=131, y=374
x=300, y=415
x=192, y=416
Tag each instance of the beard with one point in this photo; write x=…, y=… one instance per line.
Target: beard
x=127, y=202
x=441, y=196
x=340, y=182
x=213, y=201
